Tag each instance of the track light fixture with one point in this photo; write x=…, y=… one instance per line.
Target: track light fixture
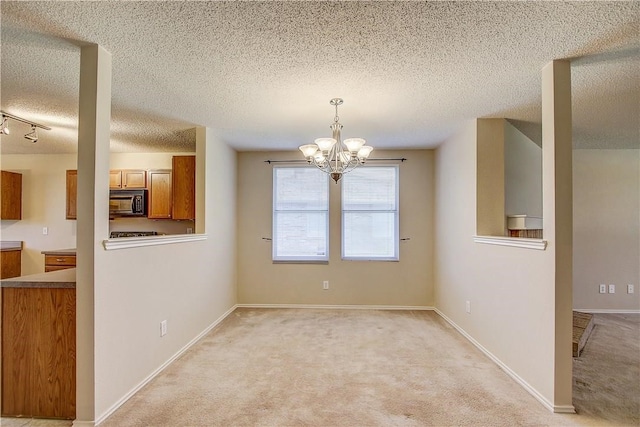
x=4, y=128
x=31, y=136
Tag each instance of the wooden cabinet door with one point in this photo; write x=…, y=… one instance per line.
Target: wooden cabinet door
x=11, y=195
x=160, y=201
x=72, y=194
x=184, y=187
x=39, y=373
x=10, y=264
x=115, y=179
x=134, y=178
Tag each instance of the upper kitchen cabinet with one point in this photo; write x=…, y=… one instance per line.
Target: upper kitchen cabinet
x=11, y=195
x=184, y=187
x=127, y=178
x=160, y=198
x=72, y=194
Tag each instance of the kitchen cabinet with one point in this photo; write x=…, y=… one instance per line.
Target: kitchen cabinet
x=160, y=197
x=11, y=195
x=59, y=259
x=184, y=187
x=39, y=343
x=10, y=263
x=127, y=178
x=72, y=194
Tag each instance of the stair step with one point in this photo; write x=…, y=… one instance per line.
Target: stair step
x=582, y=327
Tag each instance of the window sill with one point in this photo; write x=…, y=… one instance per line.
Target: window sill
x=137, y=242
x=299, y=261
x=517, y=242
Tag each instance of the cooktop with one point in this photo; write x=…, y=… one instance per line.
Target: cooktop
x=116, y=234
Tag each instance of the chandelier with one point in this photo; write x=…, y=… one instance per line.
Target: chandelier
x=334, y=156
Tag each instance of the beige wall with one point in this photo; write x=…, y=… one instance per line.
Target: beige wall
x=489, y=167
x=188, y=284
x=606, y=230
x=404, y=283
x=511, y=290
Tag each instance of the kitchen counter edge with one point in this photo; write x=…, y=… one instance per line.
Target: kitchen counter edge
x=52, y=280
x=6, y=246
x=60, y=252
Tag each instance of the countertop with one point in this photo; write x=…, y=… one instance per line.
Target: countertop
x=7, y=245
x=60, y=252
x=53, y=279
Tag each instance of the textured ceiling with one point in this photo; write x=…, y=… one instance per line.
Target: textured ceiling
x=261, y=74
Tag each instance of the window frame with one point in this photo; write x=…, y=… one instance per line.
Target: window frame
x=305, y=258
x=396, y=243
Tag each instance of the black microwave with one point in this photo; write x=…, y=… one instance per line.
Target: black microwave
x=127, y=202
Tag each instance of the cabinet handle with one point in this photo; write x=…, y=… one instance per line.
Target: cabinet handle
x=59, y=259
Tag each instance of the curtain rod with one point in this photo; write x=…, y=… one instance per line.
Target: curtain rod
x=399, y=159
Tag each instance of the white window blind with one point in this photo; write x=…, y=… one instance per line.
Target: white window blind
x=300, y=214
x=370, y=213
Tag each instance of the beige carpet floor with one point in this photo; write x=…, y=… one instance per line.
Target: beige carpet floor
x=300, y=367
x=606, y=377
x=286, y=367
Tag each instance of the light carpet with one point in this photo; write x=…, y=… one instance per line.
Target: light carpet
x=300, y=367
x=293, y=367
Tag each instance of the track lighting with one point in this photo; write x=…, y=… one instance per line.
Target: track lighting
x=31, y=136
x=4, y=129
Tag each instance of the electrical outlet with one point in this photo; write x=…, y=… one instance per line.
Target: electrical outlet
x=603, y=289
x=325, y=285
x=630, y=289
x=468, y=306
x=612, y=289
x=163, y=328
x=45, y=230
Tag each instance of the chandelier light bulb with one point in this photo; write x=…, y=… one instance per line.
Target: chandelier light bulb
x=325, y=144
x=308, y=150
x=354, y=144
x=364, y=152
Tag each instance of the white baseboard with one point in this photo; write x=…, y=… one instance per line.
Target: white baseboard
x=144, y=382
x=564, y=409
x=341, y=307
x=607, y=311
x=77, y=423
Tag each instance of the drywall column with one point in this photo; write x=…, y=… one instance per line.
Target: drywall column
x=557, y=201
x=93, y=214
x=490, y=219
x=201, y=178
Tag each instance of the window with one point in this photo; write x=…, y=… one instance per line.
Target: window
x=300, y=214
x=370, y=213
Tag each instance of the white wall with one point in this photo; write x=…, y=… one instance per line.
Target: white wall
x=404, y=283
x=523, y=174
x=43, y=205
x=511, y=290
x=188, y=284
x=606, y=228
